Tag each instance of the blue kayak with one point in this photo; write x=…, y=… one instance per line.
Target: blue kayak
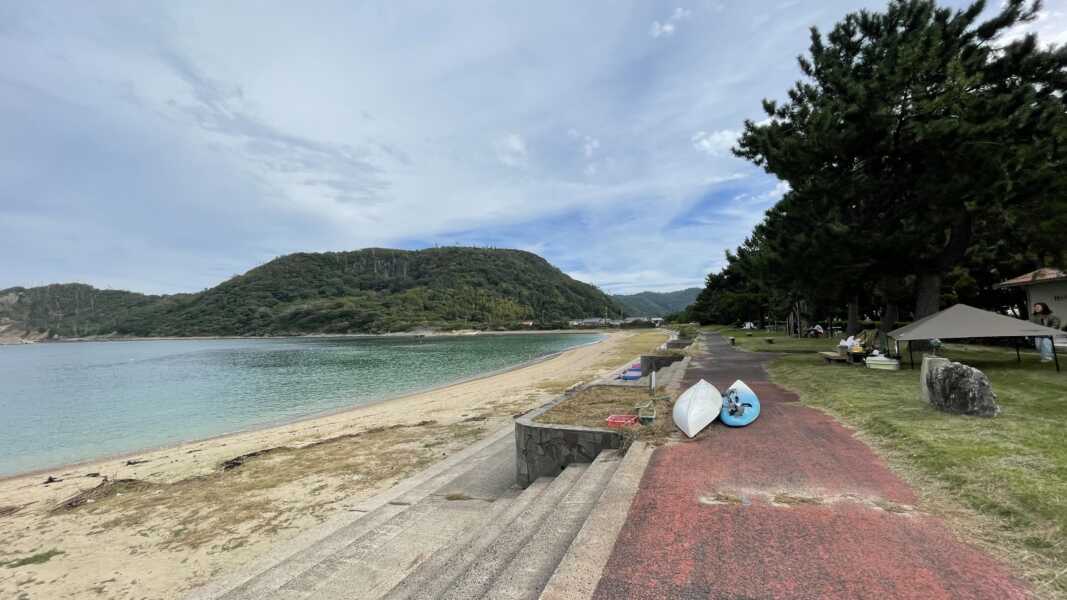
x=740, y=406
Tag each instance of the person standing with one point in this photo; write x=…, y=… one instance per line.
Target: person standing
x=1042, y=315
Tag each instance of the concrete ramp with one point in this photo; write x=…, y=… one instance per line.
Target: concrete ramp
x=461, y=530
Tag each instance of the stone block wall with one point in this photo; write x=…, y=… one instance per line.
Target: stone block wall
x=655, y=362
x=544, y=449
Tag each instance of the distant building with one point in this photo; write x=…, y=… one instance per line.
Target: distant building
x=651, y=321
x=1046, y=285
x=1043, y=285
x=595, y=322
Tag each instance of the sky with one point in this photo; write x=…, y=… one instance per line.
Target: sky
x=165, y=146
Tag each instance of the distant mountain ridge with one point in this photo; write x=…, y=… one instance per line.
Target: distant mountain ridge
x=373, y=290
x=656, y=304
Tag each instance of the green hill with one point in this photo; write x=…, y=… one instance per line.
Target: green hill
x=656, y=304
x=365, y=291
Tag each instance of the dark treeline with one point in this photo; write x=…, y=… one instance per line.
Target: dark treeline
x=926, y=152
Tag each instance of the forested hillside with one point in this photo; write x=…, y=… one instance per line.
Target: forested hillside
x=656, y=304
x=365, y=291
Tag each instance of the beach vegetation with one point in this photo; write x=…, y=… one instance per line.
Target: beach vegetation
x=34, y=559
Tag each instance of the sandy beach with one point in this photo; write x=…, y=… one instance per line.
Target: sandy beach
x=156, y=524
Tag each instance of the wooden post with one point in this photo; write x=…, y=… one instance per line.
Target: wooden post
x=1055, y=356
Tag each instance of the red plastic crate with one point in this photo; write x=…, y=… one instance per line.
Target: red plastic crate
x=622, y=420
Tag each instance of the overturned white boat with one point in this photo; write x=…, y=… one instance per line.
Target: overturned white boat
x=697, y=407
x=740, y=405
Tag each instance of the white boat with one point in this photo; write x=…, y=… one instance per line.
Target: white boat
x=883, y=363
x=697, y=407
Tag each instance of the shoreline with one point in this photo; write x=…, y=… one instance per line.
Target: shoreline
x=264, y=427
x=202, y=338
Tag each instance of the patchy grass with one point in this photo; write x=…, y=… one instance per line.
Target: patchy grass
x=641, y=342
x=34, y=559
x=1010, y=471
x=591, y=406
x=757, y=341
x=794, y=500
x=240, y=498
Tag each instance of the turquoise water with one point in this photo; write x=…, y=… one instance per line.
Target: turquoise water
x=63, y=403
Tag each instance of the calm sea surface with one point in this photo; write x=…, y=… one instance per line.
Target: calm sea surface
x=62, y=403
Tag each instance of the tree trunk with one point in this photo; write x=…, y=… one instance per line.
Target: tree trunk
x=927, y=295
x=928, y=284
x=889, y=316
x=853, y=316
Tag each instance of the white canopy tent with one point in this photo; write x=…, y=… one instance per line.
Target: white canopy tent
x=962, y=321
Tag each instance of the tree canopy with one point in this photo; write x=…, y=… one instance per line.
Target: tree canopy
x=926, y=152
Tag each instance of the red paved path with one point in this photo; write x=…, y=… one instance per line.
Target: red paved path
x=718, y=517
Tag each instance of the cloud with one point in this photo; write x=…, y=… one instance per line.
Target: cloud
x=680, y=14
x=661, y=29
x=511, y=150
x=669, y=25
x=1050, y=26
x=716, y=143
x=589, y=144
x=166, y=146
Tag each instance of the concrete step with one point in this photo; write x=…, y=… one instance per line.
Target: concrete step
x=527, y=573
x=479, y=575
x=406, y=523
x=578, y=573
x=436, y=574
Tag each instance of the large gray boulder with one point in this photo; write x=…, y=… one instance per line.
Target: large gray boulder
x=957, y=388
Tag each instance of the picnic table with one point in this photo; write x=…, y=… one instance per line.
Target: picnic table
x=850, y=358
x=833, y=357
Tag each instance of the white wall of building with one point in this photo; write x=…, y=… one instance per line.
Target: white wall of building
x=1055, y=295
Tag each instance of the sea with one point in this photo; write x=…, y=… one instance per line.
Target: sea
x=62, y=403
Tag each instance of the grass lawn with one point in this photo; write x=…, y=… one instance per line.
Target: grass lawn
x=1009, y=472
x=757, y=341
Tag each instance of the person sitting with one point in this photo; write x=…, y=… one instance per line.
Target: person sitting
x=1042, y=315
x=868, y=338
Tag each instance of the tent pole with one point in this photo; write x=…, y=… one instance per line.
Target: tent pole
x=1018, y=358
x=1055, y=356
x=912, y=355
